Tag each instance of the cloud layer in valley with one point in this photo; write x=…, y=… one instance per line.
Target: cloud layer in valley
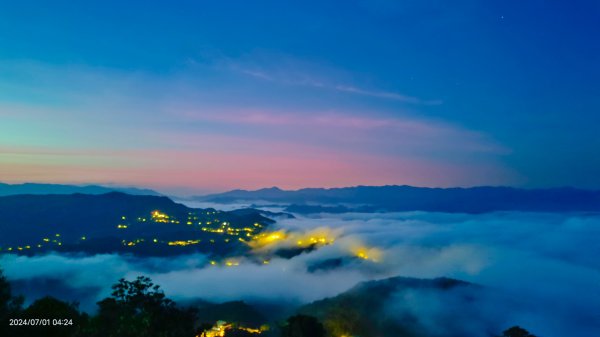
x=538, y=270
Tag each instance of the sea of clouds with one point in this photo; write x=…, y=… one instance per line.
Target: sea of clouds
x=540, y=271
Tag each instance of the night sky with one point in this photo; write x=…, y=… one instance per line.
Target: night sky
x=199, y=96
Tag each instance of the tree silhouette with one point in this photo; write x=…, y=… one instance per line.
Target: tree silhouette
x=516, y=331
x=344, y=319
x=140, y=308
x=203, y=328
x=52, y=308
x=10, y=306
x=238, y=333
x=303, y=326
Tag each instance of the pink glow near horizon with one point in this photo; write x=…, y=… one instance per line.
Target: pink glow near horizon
x=209, y=162
x=173, y=170
x=128, y=137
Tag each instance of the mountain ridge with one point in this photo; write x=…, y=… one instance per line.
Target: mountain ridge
x=478, y=199
x=117, y=222
x=365, y=309
x=46, y=189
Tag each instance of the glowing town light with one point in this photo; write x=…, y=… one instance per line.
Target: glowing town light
x=183, y=243
x=317, y=237
x=366, y=253
x=274, y=237
x=232, y=263
x=158, y=216
x=266, y=239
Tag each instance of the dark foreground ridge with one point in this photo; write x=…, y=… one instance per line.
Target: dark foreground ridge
x=139, y=308
x=366, y=309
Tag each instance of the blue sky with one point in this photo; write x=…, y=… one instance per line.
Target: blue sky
x=295, y=94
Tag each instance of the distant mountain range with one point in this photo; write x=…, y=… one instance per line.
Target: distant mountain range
x=34, y=188
x=118, y=222
x=408, y=198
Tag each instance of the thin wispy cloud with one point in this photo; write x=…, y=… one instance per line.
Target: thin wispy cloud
x=386, y=94
x=394, y=131
x=181, y=130
x=257, y=74
x=289, y=71
x=306, y=80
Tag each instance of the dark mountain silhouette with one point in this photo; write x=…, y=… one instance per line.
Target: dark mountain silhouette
x=408, y=198
x=33, y=188
x=117, y=222
x=375, y=308
x=238, y=312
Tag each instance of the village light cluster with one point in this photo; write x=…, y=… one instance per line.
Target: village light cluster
x=45, y=242
x=261, y=242
x=213, y=225
x=221, y=328
x=156, y=216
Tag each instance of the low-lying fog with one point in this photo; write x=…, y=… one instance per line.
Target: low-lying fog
x=542, y=270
